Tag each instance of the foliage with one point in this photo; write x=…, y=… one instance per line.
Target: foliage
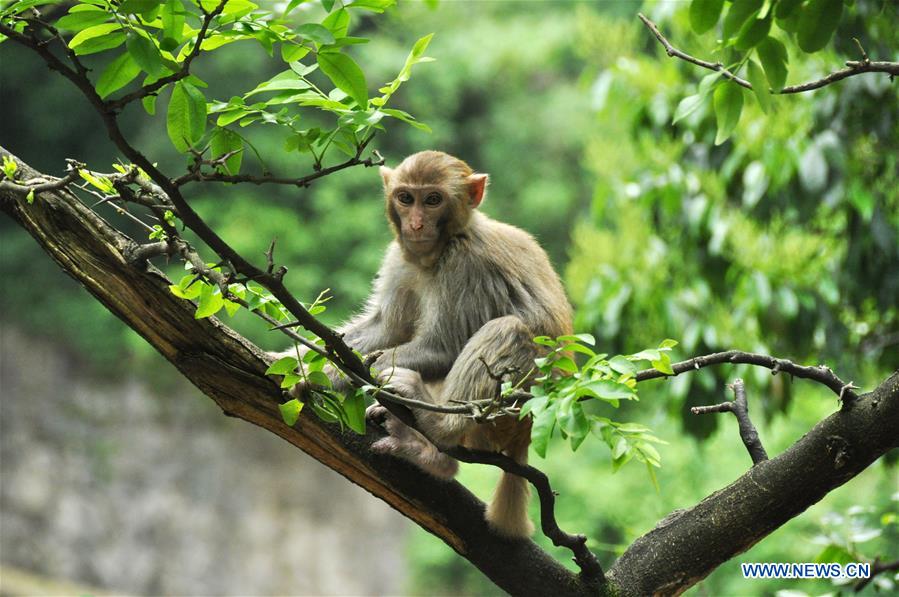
x=751, y=46
x=757, y=243
x=566, y=397
x=161, y=39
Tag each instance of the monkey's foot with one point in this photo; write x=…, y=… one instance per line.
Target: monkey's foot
x=406, y=443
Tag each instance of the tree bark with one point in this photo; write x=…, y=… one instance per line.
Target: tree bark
x=688, y=544
x=684, y=548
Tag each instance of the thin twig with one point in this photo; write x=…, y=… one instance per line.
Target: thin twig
x=117, y=104
x=740, y=409
x=821, y=374
x=40, y=187
x=583, y=557
x=853, y=67
x=195, y=175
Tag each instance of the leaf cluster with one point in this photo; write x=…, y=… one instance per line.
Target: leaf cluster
x=567, y=395
x=748, y=42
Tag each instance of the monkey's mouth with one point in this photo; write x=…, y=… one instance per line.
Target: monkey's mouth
x=420, y=245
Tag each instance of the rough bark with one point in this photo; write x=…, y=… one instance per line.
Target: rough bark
x=684, y=548
x=688, y=544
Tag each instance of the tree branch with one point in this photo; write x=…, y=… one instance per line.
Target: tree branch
x=688, y=544
x=877, y=567
x=821, y=374
x=591, y=571
x=853, y=67
x=740, y=409
x=117, y=104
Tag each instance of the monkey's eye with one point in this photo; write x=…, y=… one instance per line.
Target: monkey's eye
x=404, y=198
x=433, y=199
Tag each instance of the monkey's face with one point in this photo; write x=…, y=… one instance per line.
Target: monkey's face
x=419, y=215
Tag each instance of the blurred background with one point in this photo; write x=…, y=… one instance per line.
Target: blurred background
x=119, y=477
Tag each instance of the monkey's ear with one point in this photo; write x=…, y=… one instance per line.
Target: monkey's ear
x=477, y=188
x=386, y=173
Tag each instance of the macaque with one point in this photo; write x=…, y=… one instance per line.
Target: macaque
x=456, y=290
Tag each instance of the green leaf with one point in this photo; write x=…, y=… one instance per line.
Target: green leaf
x=622, y=365
x=405, y=117
x=317, y=33
x=817, y=23
x=565, y=364
x=145, y=54
x=186, y=117
x=293, y=52
x=354, y=409
x=149, y=104
x=319, y=378
x=282, y=366
x=101, y=43
x=346, y=75
x=83, y=16
x=373, y=5
x=224, y=141
x=663, y=364
x=542, y=430
x=534, y=405
x=338, y=23
x=605, y=390
x=172, y=24
x=759, y=82
x=285, y=80
x=752, y=32
x=737, y=15
x=117, y=74
x=785, y=8
x=209, y=302
x=585, y=338
x=93, y=32
x=187, y=288
x=290, y=411
x=30, y=197
x=728, y=102
x=649, y=354
x=577, y=426
x=773, y=56
x=691, y=103
x=138, y=6
x=704, y=14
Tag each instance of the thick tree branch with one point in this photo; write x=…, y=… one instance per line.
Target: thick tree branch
x=739, y=407
x=688, y=544
x=853, y=67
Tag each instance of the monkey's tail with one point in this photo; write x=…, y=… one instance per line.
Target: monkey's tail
x=508, y=511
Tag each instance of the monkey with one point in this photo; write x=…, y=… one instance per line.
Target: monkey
x=458, y=297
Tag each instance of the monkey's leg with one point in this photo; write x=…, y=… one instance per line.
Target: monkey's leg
x=506, y=346
x=502, y=346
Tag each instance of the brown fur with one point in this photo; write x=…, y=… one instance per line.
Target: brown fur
x=456, y=287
